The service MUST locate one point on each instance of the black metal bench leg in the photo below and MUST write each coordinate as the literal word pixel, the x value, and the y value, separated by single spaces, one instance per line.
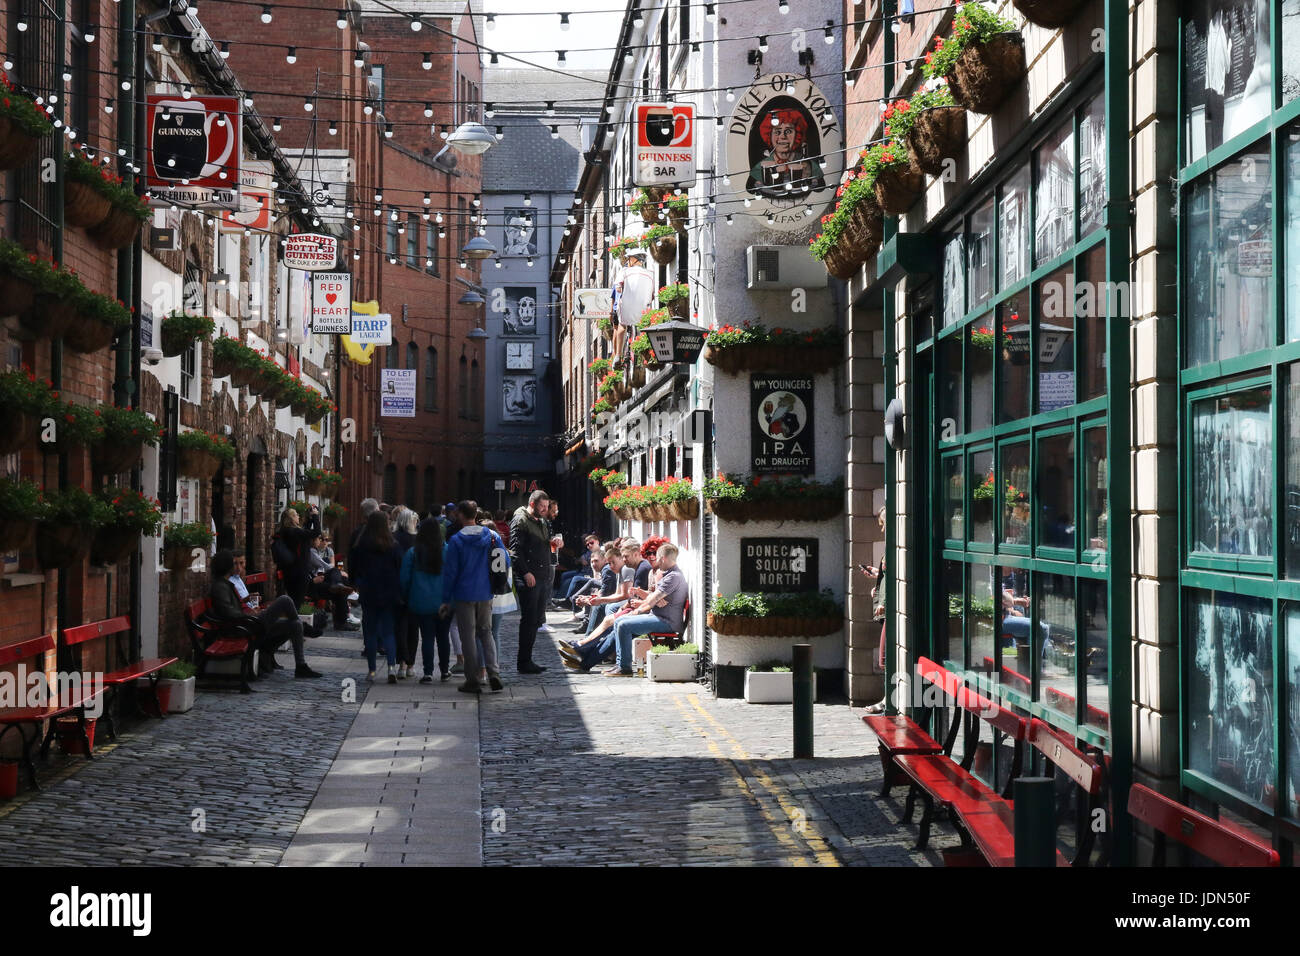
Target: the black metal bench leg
pixel 886 765
pixel 85 737
pixel 153 689
pixel 927 817
pixel 910 805
pixel 28 750
pixel 111 704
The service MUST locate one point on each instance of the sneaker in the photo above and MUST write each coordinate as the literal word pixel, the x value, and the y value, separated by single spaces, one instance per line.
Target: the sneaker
pixel 426 679
pixel 302 670
pixel 444 676
pixel 370 676
pixel 528 667
pixel 569 654
pixel 468 688
pixel 495 682
pixel 545 629
pixel 458 668
pixel 392 678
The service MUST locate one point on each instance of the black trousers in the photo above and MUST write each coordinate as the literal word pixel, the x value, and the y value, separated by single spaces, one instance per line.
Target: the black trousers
pixel 338 601
pixel 532 612
pixel 279 624
pixel 408 636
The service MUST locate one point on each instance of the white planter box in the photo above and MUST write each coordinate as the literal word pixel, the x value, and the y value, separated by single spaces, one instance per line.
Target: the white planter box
pixel 671 667
pixel 772 688
pixel 230 666
pixel 182 698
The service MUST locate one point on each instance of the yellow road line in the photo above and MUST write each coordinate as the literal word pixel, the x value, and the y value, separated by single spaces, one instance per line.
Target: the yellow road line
pixel 799 821
pixel 774 824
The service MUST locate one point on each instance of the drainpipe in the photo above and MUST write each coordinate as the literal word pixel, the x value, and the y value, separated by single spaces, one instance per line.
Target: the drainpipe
pixel 1119 225
pixel 891 455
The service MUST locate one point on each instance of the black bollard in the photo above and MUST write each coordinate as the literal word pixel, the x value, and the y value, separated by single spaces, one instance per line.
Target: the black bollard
pixel 1035 815
pixel 802 666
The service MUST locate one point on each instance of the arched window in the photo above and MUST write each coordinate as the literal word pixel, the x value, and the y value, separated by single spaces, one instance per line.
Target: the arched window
pixel 430 498
pixel 395 354
pixel 412 487
pixel 390 483
pixel 413 363
pixel 430 379
pixel 463 385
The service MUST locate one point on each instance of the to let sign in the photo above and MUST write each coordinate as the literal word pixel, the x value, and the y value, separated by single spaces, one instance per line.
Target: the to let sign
pixel 781 417
pixel 778 565
pixel 665 144
pixel 331 303
pixel 310 251
pixel 397 393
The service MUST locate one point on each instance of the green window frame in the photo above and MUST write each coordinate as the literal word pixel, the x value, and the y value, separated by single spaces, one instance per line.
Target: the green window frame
pixel 1230 601
pixel 994 344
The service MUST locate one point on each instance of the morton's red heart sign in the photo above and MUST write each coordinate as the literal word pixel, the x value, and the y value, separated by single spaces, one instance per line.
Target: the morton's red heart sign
pixel 331 303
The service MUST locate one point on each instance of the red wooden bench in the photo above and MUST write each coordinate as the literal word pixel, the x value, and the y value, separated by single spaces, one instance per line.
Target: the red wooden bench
pixel 940 782
pixel 215 640
pixel 1213 839
pixel 114 680
pixel 674 638
pixel 16 718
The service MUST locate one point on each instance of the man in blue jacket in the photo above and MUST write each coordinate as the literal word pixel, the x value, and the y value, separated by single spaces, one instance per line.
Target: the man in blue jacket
pixel 466 584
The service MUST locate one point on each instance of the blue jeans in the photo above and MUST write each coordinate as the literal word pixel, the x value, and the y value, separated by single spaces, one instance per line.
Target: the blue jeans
pixel 379 624
pixel 570 582
pixel 626 628
pixel 598 613
pixel 435 630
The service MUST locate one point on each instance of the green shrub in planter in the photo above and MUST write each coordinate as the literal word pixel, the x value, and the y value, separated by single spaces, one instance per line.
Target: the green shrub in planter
pixel 187 536
pixel 180 670
pixel 19 109
pixel 180 331
pixel 687 648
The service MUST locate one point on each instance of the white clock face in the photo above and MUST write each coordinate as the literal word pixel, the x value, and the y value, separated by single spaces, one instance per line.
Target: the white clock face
pixel 519 355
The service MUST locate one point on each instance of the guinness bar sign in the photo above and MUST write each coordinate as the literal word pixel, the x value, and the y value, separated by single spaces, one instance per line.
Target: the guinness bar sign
pixel 194 149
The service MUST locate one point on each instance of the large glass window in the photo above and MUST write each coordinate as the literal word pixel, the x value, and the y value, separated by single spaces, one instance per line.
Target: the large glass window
pixel 1227 71
pixel 1232 474
pixel 1229 264
pixel 1054 195
pixel 1013 228
pixel 979 255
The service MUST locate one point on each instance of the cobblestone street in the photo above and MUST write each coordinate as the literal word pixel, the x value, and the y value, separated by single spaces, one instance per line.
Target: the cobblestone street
pixel 562 768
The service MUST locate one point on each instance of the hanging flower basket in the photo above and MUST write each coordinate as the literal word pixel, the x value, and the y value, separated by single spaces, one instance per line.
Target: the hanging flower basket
pixel 986 73
pixel 197 463
pixel 17 294
pixel 620 513
pixel 83 205
pixel 112 544
pixel 687 510
pixel 937 134
pixel 1048 13
pixel 178 558
pixel 680 309
pixel 17 431
pixel 87 334
pixel 898 187
pixel 59 546
pixel 839 264
pixel 16 146
pixel 113 458
pixel 863 230
pixel 638 376
pixel 741 511
pixel 735 624
pixel 663 249
pixel 119 228
pixel 773 358
pixel 47 318
pixel 15 533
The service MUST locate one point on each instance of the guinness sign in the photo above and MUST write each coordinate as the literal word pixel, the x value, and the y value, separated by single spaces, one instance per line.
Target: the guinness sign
pixel 194 149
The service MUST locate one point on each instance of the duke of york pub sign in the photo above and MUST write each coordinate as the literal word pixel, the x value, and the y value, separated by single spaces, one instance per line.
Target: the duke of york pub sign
pixel 310 251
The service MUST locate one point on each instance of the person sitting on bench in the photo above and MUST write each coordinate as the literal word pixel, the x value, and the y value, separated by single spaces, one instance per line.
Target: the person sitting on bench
pixel 328 583
pixel 276 624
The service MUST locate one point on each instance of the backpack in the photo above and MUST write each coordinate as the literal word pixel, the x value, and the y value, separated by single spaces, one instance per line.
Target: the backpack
pixel 499 568
pixel 283 555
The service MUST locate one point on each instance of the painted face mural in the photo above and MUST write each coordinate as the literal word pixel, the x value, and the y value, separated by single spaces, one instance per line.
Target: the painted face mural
pixel 518 398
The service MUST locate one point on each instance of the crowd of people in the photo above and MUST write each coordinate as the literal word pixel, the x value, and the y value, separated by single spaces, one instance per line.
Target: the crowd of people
pixel 435 588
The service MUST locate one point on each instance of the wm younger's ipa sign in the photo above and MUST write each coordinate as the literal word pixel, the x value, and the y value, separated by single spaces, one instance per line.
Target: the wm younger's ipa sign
pixel 781 416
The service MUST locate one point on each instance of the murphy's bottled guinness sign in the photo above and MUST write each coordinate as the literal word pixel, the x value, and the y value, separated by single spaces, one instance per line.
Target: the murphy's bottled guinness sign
pixel 194 150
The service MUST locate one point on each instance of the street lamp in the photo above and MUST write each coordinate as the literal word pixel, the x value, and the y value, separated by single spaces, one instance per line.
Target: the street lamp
pixel 472 139
pixel 478 248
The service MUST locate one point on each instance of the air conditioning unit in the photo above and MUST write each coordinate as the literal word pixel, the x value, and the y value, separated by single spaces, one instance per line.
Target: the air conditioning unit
pixel 782 267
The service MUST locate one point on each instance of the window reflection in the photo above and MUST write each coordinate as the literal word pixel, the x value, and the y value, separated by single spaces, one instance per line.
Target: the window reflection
pixel 982 497
pixel 1291 727
pixel 948 640
pixel 1095 301
pixel 1232 474
pixel 1096 689
pixel 1056 302
pixel 1013 359
pixel 949 387
pixel 979 358
pixel 1227 74
pixel 1058 651
pixel 1056 491
pixel 979 618
pixel 1054 195
pixel 1013 228
pixel 1092 165
pixel 1013 494
pixel 979 255
pixel 1230 692
pixel 1293 223
pixel 954 485
pixel 1095 490
pixel 1229 261
pixel 1014 629
pixel 1291 476
pixel 954 286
